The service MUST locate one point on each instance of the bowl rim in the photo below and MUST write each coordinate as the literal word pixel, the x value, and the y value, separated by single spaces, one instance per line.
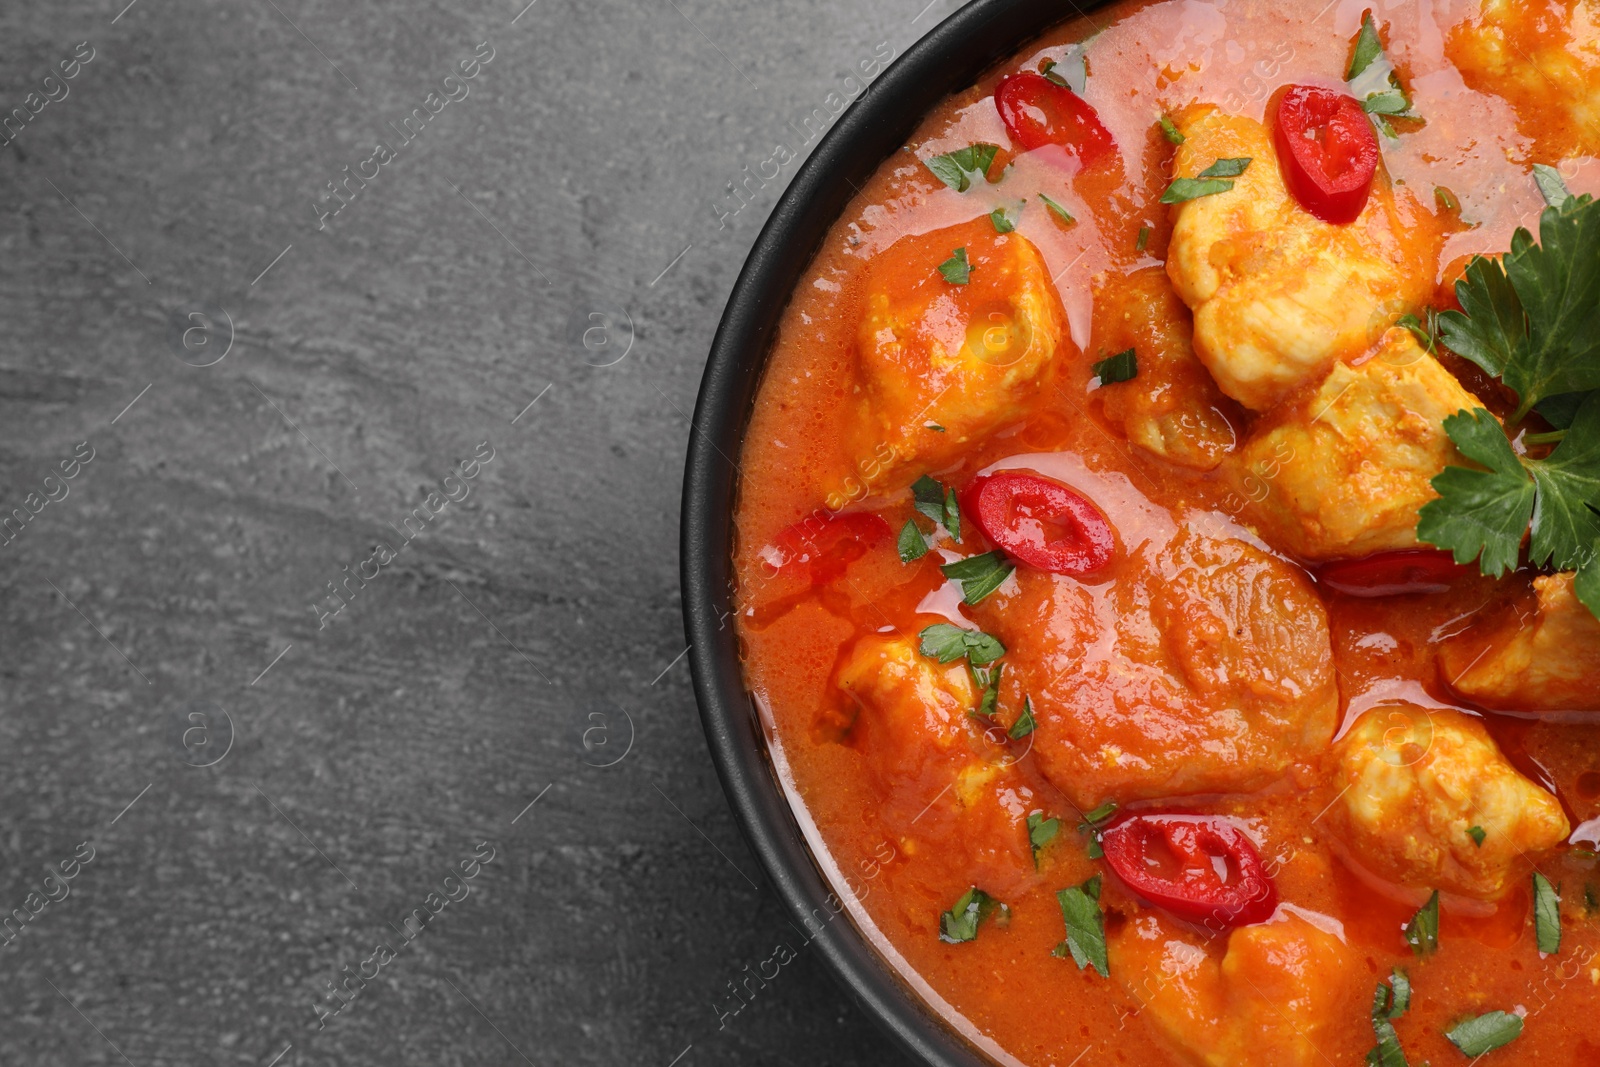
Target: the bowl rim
pixel 947 59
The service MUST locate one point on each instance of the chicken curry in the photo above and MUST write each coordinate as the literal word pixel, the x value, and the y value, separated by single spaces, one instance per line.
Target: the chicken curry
pixel 1167 541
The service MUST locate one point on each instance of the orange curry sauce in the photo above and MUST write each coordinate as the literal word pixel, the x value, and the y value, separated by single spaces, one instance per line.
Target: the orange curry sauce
pixel 905 824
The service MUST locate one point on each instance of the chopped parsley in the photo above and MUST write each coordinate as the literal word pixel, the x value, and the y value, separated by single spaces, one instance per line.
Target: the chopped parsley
pixel 1184 189
pixel 1486 1033
pixel 1002 222
pixel 1024 724
pixel 1425 329
pixel 1072 72
pixel 1122 367
pixel 1227 168
pixel 1389 1002
pixel 1422 932
pixel 1144 239
pixel 956 269
pixel 1477 833
pixel 913 546
pixel 1086 927
pixel 1546 914
pixel 1373 81
pixel 1171 132
pixel 937 503
pixel 1093 822
pixel 945 642
pixel 957 169
pixel 1533 321
pixel 988 681
pixel 979 575
pixel 934 426
pixel 1447 199
pixel 1551 187
pixel 1041 831
pixel 960 923
pixel 1063 213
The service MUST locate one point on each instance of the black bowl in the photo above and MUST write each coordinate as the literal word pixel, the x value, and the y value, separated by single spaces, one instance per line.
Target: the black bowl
pixel 948 59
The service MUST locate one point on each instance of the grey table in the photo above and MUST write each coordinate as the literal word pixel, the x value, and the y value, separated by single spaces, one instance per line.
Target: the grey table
pixel 341 641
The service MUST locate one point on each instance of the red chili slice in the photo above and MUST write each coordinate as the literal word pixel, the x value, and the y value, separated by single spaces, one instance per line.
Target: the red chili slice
pixel 1411 570
pixel 1038 112
pixel 1199 868
pixel 1326 150
pixel 1040 522
pixel 817 549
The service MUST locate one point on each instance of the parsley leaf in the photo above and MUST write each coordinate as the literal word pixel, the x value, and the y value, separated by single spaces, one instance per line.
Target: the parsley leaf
pixel 1477 833
pixel 1072 72
pixel 1422 932
pixel 1226 168
pixel 1480 514
pixel 989 682
pixel 1372 79
pixel 1551 187
pixel 960 923
pixel 1002 222
pixel 937 503
pixel 1566 515
pixel 956 169
pixel 1486 1033
pixel 1171 132
pixel 956 269
pixel 1066 216
pixel 1024 724
pixel 1143 239
pixel 1183 189
pixel 945 642
pixel 1425 330
pixel 1086 927
pixel 1389 1002
pixel 1041 831
pixel 1367 49
pixel 1122 367
pixel 1546 914
pixel 913 546
pixel 979 575
pixel 1533 320
pixel 1093 822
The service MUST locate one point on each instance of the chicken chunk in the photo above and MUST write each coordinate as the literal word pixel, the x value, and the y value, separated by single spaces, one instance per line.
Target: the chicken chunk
pixel 944 364
pixel 1206 667
pixel 1550 662
pixel 917 698
pixel 1272 998
pixel 1172 408
pixel 1543 58
pixel 1279 296
pixel 1415 781
pixel 1342 473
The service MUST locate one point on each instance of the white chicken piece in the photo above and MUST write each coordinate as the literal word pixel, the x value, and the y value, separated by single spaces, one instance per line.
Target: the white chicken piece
pixel 919 699
pixel 944 364
pixel 1279 296
pixel 1172 408
pixel 1270 999
pixel 1416 781
pixel 1550 662
pixel 1543 58
pixel 1342 473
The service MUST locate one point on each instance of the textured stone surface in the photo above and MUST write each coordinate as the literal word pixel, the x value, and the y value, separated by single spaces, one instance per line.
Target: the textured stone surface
pixel 180 584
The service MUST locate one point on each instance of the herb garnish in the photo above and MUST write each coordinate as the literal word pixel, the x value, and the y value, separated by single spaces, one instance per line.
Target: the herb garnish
pixel 1546 914
pixel 937 503
pixel 1001 221
pixel 1389 1002
pixel 1072 72
pixel 1041 831
pixel 1144 239
pixel 1477 833
pixel 1122 367
pixel 1533 321
pixel 1065 215
pixel 1171 132
pixel 1486 1033
pixel 913 546
pixel 1024 724
pixel 945 642
pixel 1422 932
pixel 1373 81
pixel 979 575
pixel 957 169
pixel 1086 927
pixel 1227 168
pixel 956 269
pixel 1551 187
pixel 1093 822
pixel 988 680
pixel 1214 179
pixel 960 923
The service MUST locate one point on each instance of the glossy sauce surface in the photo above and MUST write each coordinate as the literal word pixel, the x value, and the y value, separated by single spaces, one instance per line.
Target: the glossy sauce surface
pixel 895 817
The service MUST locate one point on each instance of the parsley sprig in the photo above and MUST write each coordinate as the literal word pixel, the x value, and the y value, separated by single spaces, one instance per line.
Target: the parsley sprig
pixel 1389 1002
pixel 1372 79
pixel 1532 320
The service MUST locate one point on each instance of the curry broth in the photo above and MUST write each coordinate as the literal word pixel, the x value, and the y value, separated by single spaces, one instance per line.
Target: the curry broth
pixel 866 799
